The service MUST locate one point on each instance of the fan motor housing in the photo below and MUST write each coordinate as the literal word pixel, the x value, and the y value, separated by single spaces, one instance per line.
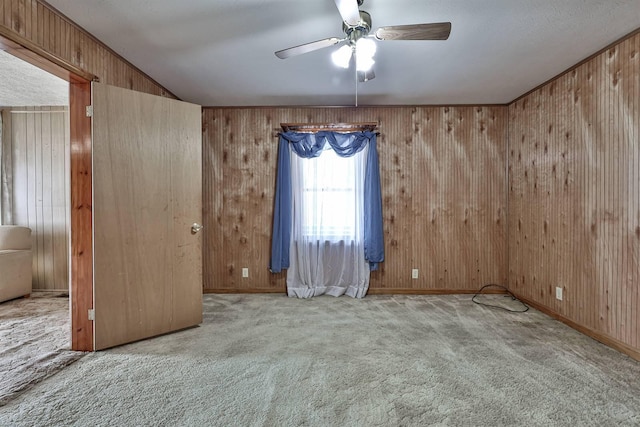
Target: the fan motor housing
pixel 358 31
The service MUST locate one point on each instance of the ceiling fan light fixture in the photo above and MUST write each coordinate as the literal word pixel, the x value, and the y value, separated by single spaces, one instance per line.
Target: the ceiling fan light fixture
pixel 364 63
pixel 342 56
pixel 365 76
pixel 361 42
pixel 365 49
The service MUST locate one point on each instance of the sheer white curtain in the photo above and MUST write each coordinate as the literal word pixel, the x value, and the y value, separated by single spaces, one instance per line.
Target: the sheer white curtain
pixel 327 238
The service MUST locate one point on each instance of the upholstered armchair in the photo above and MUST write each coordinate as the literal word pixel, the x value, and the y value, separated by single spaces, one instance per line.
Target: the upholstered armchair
pixel 15 262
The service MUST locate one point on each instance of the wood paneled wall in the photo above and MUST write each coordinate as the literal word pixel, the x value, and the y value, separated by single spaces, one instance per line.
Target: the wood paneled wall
pixel 36 142
pixel 443 172
pixel 574 196
pixel 44 28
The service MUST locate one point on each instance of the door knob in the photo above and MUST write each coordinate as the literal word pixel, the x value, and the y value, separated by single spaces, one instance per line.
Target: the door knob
pixel 196 227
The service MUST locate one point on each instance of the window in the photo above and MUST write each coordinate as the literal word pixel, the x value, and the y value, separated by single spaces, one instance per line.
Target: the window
pixel 327 220
pixel 329 194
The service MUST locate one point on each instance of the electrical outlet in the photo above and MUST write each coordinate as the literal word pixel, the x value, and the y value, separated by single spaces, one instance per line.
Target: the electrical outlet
pixel 245 272
pixel 414 273
pixel 558 293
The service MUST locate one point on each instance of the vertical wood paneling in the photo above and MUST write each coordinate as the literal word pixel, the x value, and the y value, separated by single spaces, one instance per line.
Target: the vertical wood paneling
pixel 40 26
pixel 443 182
pixel 574 209
pixel 395 151
pixel 60 208
pixel 6 170
pixel 39 149
pixel 212 157
pixel 634 205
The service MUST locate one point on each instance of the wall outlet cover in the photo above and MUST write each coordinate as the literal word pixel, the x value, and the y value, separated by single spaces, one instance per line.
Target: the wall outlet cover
pixel 414 273
pixel 245 272
pixel 558 293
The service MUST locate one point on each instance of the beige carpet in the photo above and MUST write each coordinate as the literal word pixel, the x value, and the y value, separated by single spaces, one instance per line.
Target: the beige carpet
pixel 267 360
pixel 34 342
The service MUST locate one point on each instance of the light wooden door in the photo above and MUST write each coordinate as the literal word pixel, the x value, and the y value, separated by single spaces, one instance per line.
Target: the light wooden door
pixel 147 193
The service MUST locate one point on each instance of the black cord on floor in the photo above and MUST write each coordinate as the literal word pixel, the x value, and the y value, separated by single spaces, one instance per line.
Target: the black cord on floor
pixel 526 307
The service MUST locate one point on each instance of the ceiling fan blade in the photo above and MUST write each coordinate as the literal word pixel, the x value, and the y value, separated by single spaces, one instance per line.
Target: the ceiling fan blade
pixel 365 76
pixel 307 47
pixel 349 11
pixel 435 31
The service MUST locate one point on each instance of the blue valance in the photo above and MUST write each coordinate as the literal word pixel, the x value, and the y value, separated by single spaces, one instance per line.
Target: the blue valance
pixel 308 145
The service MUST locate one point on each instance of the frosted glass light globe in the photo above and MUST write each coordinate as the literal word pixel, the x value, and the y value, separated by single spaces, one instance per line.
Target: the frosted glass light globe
pixel 365 49
pixel 342 56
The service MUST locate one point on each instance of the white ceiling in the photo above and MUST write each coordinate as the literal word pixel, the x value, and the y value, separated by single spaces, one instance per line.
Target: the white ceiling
pixel 221 52
pixel 25 85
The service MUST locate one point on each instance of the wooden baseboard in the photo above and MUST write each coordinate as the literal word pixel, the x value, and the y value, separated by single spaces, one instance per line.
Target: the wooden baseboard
pixel 372 291
pixel 245 291
pixel 414 291
pixel 51 291
pixel 598 336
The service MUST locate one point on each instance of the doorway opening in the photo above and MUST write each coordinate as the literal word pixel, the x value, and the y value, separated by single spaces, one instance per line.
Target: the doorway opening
pixel 77 190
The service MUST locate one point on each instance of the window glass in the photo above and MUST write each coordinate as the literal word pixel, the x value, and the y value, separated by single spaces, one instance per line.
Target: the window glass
pixel 328 203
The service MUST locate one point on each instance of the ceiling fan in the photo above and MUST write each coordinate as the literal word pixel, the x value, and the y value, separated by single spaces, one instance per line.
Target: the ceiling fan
pixel 356 25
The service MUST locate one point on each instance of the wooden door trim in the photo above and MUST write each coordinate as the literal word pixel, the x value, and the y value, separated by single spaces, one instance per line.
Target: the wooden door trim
pixel 82 336
pixel 35 55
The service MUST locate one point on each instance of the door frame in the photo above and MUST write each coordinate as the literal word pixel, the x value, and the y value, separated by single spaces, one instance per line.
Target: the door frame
pixel 81 272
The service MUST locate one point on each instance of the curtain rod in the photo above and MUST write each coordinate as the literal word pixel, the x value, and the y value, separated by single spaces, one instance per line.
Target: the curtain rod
pixel 334 127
